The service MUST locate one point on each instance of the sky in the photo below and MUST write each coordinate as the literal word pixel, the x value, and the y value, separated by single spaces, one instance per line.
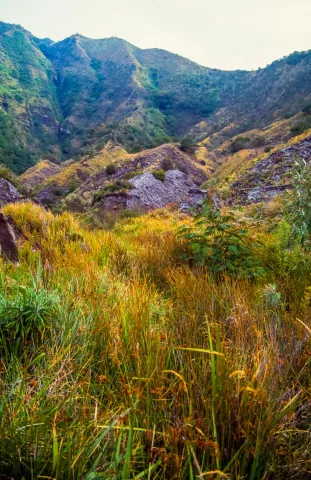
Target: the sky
pixel 225 34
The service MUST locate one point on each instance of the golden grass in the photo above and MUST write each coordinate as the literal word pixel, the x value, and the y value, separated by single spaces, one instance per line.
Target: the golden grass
pixel 151 369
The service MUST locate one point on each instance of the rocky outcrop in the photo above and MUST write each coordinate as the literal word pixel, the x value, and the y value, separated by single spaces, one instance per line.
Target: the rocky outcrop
pixel 8 193
pixel 7 240
pixel 148 193
pixel 271 175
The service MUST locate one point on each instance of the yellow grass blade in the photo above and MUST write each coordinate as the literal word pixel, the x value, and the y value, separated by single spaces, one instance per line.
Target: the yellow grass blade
pixel 201 350
pixel 306 326
pixel 179 376
pixel 290 402
pixel 214 472
pixel 241 373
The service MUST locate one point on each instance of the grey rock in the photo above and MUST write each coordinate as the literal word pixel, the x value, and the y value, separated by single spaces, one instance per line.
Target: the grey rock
pixel 8 193
pixel 148 193
pixel 7 240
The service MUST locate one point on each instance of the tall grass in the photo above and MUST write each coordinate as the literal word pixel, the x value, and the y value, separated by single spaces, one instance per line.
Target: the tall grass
pixel 147 369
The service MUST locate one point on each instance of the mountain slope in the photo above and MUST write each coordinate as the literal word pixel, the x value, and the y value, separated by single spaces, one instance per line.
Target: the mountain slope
pixel 29 111
pixel 70 98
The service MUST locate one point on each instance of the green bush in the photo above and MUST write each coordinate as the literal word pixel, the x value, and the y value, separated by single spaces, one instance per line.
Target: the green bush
pixel 167 164
pixel 188 145
pixel 159 175
pixel 240 143
pixel 217 242
pixel 301 126
pixel 111 169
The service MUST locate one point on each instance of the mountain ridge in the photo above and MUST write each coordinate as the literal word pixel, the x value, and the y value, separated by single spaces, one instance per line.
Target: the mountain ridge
pixel 67 99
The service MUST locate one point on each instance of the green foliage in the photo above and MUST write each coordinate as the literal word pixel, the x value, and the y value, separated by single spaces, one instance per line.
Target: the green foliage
pixel 240 143
pixel 132 174
pixel 111 169
pixel 302 125
pixel 167 164
pixel 26 312
pixel 159 175
pixel 118 186
pixel 188 144
pixel 217 242
pixel 272 296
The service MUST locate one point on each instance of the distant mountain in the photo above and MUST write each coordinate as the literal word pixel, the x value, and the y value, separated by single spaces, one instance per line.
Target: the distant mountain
pixel 66 99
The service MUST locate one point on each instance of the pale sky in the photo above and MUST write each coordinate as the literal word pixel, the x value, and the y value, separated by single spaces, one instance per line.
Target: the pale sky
pixel 226 34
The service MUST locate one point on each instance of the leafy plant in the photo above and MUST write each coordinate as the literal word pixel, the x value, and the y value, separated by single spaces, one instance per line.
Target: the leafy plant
pixel 219 243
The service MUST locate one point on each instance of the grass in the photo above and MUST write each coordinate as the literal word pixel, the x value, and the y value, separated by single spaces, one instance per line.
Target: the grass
pixel 147 368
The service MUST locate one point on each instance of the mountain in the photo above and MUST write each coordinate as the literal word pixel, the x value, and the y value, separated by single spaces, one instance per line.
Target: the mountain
pixel 70 98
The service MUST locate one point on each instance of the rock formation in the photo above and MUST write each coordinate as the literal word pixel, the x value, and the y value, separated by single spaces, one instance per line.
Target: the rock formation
pixel 7 240
pixel 8 193
pixel 149 193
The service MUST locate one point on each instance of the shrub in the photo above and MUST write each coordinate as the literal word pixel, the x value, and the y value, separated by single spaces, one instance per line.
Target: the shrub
pixel 111 169
pixel 167 164
pixel 240 143
pixel 159 175
pixel 218 243
pixel 301 126
pixel 188 144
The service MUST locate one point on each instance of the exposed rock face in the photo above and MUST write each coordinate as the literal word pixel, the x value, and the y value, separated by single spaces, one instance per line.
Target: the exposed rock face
pixel 8 193
pixel 7 239
pixel 270 176
pixel 149 193
pixel 127 165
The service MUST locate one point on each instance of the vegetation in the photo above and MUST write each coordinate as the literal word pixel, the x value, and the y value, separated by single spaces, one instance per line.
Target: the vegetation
pixel 217 242
pixel 120 359
pixel 118 186
pixel 159 175
pixel 111 169
pixel 44 118
pixel 188 144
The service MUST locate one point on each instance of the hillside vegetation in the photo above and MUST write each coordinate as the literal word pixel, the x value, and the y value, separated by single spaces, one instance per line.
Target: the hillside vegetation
pixel 124 355
pixel 66 99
